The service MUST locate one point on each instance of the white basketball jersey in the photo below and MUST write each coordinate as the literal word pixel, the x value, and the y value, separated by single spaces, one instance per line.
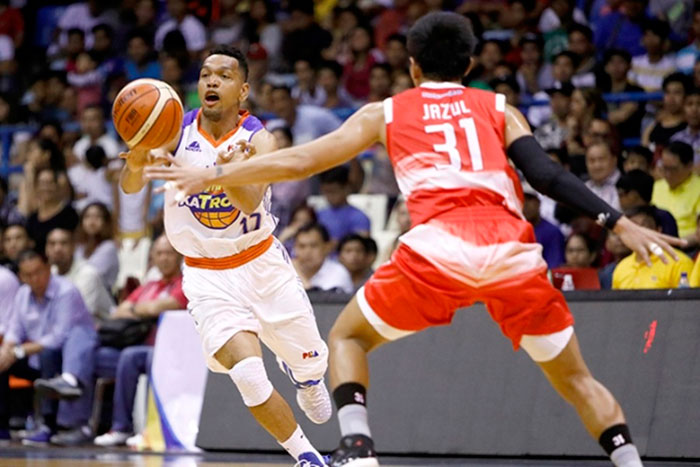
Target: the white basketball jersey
pixel 207 225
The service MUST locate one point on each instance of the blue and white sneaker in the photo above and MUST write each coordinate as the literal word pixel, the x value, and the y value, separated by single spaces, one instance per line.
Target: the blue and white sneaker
pixel 40 437
pixel 310 459
pixel 312 396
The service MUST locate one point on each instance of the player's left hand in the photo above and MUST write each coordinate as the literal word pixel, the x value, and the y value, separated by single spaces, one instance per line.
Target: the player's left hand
pixel 185 179
pixel 646 242
pixel 241 151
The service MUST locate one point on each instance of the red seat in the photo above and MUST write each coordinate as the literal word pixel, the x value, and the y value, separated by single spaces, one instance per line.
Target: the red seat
pixel 584 278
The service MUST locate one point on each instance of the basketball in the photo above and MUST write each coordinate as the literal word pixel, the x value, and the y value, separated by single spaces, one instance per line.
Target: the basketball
pixel 147 114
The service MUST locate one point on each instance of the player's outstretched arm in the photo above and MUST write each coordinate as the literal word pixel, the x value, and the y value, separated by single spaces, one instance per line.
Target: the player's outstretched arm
pixel 364 128
pixel 248 197
pixel 553 180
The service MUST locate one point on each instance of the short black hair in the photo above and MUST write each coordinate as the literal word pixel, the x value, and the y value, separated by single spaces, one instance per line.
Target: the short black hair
pixel 368 244
pixel 639 181
pixel 109 30
pixel 683 151
pixel 282 87
pixel 643 210
pixel 382 66
pixel 397 37
pixel 583 29
pixel 141 33
pixel 509 81
pixel 610 53
pixel 12 225
pixel 573 56
pixel 74 31
pixel 314 226
pixel 693 91
pixel 287 132
pixel 29 254
pixel 231 51
pixel 642 151
pixel 442 44
pixel 335 67
pixel 677 77
pixel 339 175
pixel 659 27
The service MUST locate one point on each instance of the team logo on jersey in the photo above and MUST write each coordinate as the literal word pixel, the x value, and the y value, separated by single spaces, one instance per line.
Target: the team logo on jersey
pixel 212 208
pixel 309 354
pixel 194 147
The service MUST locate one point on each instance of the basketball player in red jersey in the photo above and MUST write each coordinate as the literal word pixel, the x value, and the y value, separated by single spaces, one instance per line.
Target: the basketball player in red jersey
pixel 449 146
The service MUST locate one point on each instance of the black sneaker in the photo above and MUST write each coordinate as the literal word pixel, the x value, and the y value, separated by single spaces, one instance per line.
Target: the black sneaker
pixel 74 437
pixel 57 388
pixel 355 451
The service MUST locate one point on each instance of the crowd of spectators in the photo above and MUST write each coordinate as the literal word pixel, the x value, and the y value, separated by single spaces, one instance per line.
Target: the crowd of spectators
pixel 610 87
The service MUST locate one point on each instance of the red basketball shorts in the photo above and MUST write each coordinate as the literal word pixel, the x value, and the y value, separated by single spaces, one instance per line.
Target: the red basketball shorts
pixel 483 254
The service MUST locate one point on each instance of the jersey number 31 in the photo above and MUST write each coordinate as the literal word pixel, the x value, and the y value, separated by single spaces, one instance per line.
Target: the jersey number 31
pixel 450 144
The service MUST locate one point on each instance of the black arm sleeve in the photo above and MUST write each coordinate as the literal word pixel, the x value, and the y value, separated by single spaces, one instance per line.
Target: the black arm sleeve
pixel 551 179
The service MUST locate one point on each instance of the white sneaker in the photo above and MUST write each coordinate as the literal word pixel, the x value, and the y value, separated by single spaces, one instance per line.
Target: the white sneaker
pixel 135 441
pixel 315 402
pixel 112 438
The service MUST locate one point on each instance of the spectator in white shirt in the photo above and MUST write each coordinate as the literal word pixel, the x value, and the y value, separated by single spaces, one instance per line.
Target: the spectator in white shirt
pixel 316 270
pixel 91 181
pixel 601 164
pixel 649 70
pixel 192 30
pixel 8 287
pixel 60 251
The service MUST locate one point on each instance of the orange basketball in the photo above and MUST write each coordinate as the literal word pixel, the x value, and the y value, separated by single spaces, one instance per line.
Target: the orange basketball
pixel 147 114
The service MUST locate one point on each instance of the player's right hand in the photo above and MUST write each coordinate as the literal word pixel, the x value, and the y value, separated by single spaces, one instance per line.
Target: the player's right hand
pixel 136 159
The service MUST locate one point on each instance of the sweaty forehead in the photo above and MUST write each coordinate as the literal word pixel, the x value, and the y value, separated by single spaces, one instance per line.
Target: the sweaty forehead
pixel 220 62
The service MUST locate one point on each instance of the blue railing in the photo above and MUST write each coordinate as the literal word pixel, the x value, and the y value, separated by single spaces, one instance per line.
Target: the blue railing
pixel 7 131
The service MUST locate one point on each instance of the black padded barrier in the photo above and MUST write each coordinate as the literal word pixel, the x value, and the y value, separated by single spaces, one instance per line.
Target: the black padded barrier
pixel 461 390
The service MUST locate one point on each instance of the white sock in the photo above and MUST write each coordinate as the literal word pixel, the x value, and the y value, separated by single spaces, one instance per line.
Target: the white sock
pixel 353 420
pixel 298 444
pixel 70 379
pixel 626 456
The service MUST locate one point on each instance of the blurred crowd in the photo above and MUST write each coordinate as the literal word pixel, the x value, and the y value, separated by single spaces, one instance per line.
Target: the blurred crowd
pixel 611 89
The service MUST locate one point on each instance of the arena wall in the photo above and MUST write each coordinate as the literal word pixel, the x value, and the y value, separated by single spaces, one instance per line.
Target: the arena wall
pixel 460 390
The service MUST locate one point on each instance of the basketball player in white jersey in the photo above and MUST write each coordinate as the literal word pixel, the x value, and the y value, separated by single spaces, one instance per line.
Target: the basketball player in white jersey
pixel 238 278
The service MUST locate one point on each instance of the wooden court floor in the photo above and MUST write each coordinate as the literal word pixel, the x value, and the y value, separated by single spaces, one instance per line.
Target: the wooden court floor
pixel 18 456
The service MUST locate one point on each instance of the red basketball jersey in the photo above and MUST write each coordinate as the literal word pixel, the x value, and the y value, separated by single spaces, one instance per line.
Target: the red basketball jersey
pixel 447 145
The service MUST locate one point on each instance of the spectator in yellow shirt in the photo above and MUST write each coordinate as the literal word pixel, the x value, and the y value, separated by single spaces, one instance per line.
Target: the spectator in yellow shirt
pixel 695 275
pixel 633 273
pixel 679 190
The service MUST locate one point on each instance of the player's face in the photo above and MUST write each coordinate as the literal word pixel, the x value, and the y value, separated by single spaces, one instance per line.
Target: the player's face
pixel 221 86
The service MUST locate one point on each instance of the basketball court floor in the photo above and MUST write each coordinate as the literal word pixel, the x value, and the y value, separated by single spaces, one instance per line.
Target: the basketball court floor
pixel 18 456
